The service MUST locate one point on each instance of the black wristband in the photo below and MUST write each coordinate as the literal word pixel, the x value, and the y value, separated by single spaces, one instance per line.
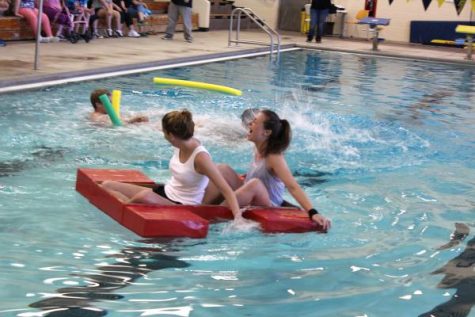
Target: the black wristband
pixel 312 212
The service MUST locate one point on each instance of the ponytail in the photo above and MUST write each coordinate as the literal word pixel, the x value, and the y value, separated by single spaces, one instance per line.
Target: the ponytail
pixel 280 136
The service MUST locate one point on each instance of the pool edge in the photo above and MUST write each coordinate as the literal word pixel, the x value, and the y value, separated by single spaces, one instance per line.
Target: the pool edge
pixel 35 82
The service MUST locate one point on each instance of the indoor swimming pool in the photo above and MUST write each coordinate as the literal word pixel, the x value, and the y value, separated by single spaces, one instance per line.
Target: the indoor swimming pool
pixel 384 147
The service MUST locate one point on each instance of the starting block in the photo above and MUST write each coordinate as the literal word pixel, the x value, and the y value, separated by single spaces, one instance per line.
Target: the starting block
pixel 374 23
pixel 469 31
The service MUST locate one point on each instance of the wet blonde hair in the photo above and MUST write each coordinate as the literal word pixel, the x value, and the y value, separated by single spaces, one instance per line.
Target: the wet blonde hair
pixel 179 123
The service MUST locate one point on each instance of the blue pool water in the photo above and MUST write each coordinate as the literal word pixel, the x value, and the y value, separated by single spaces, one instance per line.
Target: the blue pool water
pixel 384 147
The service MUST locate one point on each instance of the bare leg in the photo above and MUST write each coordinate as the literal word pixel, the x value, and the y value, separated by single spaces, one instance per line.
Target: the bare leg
pixel 212 194
pixel 118 26
pixel 119 195
pixel 253 193
pixel 105 14
pixel 140 16
pixel 109 21
pixel 134 193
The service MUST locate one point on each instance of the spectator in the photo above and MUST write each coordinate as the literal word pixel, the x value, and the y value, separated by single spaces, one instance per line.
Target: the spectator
pixel 125 16
pixel 318 14
pixel 26 9
pixel 80 14
pixel 4 7
pixel 183 7
pixel 105 9
pixel 139 10
pixel 58 14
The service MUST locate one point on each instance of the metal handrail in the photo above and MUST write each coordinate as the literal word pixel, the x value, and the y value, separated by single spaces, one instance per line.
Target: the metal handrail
pixel 261 23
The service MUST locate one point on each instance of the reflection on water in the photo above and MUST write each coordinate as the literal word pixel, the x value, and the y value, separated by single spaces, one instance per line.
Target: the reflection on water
pixel 459 274
pixel 132 263
pixel 39 157
pixel 393 183
pixel 309 177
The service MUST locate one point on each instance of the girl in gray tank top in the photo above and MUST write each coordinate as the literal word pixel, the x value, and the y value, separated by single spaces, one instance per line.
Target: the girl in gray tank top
pixel 269 174
pixel 274 185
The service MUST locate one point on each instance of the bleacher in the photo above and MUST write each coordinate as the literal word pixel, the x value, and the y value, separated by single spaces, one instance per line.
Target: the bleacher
pixel 15 28
pixel 220 15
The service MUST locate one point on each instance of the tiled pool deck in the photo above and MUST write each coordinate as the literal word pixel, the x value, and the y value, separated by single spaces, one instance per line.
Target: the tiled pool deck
pixel 62 61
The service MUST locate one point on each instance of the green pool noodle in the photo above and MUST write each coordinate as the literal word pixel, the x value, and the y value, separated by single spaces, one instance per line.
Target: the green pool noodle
pixel 110 110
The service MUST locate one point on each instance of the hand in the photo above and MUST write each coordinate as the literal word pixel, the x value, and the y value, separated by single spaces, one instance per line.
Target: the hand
pixel 322 221
pixel 138 119
pixel 242 224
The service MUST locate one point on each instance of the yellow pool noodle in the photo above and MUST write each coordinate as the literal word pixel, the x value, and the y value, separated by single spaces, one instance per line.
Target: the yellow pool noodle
pixel 116 95
pixel 197 84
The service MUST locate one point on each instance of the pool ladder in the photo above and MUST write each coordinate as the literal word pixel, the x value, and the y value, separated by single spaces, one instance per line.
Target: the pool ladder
pixel 274 36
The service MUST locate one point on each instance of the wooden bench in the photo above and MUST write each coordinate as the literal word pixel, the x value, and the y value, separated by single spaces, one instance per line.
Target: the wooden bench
pixel 15 28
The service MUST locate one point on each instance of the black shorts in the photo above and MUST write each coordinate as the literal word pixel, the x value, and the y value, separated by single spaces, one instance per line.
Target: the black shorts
pixel 159 189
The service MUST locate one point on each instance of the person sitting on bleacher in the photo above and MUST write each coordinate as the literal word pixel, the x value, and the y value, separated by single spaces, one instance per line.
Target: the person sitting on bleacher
pixel 4 7
pixel 122 6
pixel 58 14
pixel 26 9
pixel 105 9
pixel 81 15
pixel 138 9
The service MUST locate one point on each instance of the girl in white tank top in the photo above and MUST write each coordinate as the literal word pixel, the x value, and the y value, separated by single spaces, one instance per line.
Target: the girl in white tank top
pixel 186 185
pixel 191 168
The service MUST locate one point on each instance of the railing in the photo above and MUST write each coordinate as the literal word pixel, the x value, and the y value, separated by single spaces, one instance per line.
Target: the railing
pixel 274 37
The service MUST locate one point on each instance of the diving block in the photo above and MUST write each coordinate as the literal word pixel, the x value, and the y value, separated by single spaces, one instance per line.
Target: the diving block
pixel 373 25
pixel 177 220
pixel 469 31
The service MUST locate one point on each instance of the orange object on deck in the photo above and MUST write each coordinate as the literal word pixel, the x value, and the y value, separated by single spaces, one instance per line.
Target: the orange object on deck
pixel 176 220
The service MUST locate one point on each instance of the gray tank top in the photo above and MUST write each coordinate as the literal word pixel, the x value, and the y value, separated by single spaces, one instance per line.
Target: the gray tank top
pixel 274 185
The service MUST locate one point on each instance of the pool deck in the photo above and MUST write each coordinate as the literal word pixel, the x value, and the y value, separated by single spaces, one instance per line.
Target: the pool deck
pixel 60 62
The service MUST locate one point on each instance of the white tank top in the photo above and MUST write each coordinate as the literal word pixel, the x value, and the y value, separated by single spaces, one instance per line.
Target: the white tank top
pixel 186 185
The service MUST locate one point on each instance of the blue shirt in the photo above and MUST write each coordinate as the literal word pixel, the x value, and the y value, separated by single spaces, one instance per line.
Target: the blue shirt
pixel 30 4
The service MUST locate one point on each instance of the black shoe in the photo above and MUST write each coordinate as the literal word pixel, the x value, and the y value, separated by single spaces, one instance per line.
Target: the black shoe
pixel 86 37
pixel 318 40
pixel 74 37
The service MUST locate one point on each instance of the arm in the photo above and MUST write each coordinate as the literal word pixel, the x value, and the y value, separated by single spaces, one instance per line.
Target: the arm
pixel 278 165
pixel 107 6
pixel 122 6
pixel 137 119
pixel 65 7
pixel 117 7
pixel 17 7
pixel 205 166
pixel 77 6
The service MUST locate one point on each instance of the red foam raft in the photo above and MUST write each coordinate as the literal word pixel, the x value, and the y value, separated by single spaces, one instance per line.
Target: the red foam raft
pixel 177 220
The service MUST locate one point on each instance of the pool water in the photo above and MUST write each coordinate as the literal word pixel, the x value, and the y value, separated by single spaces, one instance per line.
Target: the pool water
pixel 384 147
